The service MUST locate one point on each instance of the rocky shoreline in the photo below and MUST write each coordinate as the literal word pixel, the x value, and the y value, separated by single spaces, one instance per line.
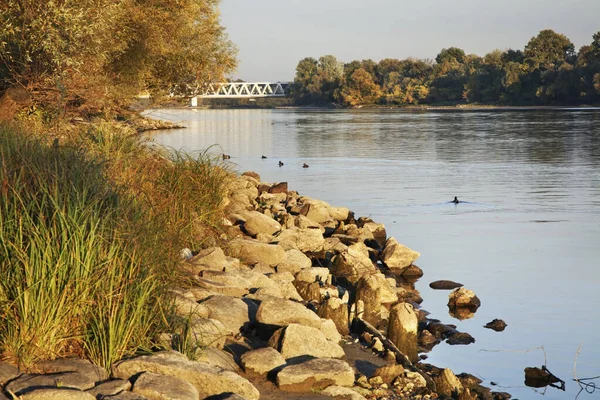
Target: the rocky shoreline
pixel 279 308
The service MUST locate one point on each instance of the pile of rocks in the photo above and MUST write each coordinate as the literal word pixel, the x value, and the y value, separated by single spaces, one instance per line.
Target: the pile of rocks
pixel 277 304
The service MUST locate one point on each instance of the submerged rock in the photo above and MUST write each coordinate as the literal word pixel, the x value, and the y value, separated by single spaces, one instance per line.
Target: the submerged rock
pixel 445 285
pixel 497 324
pixel 463 298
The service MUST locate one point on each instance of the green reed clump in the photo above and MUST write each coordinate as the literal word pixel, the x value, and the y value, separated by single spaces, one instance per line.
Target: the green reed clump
pixel 90 231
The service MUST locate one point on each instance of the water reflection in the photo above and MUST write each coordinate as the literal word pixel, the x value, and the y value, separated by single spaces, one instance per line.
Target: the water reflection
pixel 527 244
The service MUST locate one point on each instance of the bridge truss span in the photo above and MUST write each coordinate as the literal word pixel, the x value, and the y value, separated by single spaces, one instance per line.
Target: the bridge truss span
pixel 245 90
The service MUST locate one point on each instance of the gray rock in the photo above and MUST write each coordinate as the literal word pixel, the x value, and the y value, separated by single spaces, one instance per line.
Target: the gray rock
pixel 259 223
pixel 402 329
pixel 208 379
pixel 280 312
pixel 218 358
pixel 298 340
pixel 71 380
pixel 353 263
pixel 397 256
pixel 110 388
pixel 444 285
pixel 463 298
pixel 125 396
pixel 447 384
pixel 8 372
pixel 341 392
pixel 315 374
pixel 374 291
pixel 313 274
pixel 262 361
pixel 304 240
pixel 84 367
pixel 155 386
pixel 186 307
pixel 206 332
pixel 294 262
pixel 56 394
pixel 234 313
pixel 253 252
pixel 337 311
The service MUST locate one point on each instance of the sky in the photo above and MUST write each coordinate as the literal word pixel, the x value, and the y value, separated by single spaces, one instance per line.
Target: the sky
pixel 272 36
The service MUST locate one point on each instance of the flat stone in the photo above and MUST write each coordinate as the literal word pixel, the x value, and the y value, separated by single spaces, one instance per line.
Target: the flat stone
pixel 298 340
pixel 84 367
pixel 253 252
pixel 155 386
pixel 284 312
pixel 56 394
pixel 110 388
pixel 315 374
pixel 262 361
pixel 444 285
pixel 8 372
pixel 304 240
pixel 125 396
pixel 208 379
pixel 72 380
pixel 341 392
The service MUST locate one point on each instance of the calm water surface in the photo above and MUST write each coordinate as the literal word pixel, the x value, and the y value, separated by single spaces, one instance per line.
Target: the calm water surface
pixel 527 243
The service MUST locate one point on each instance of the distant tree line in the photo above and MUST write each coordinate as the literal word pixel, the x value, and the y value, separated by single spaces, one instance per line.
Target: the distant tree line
pixel 548 71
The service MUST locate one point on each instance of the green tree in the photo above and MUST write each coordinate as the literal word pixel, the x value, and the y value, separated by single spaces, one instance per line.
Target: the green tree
pixel 549 50
pixel 316 81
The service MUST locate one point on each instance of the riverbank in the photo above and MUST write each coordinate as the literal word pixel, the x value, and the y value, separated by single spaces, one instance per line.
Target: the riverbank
pixel 280 299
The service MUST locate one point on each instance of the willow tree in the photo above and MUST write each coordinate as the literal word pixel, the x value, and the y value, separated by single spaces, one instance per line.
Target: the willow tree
pixel 99 53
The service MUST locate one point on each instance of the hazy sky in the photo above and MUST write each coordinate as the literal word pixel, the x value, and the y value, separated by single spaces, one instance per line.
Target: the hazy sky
pixel 273 35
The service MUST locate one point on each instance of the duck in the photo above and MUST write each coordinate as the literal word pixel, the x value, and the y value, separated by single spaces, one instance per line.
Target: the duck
pixel 280 164
pixel 455 201
pixel 305 165
pixel 263 157
pixel 226 156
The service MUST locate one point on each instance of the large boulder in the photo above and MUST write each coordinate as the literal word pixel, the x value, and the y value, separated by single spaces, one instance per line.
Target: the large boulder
pixel 374 290
pixel 396 256
pixel 253 252
pixel 279 313
pixel 257 222
pixel 299 340
pixel 463 298
pixel 155 386
pixel 447 384
pixel 262 361
pixel 234 313
pixel 294 262
pixel 315 374
pixel 304 240
pixel 207 379
pixel 212 258
pixel 337 311
pixel 378 231
pixel 8 372
pixel 207 332
pixel 353 263
pixel 91 371
pixel 402 329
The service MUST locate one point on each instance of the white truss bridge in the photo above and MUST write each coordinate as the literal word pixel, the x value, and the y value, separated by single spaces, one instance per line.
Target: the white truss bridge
pixel 245 90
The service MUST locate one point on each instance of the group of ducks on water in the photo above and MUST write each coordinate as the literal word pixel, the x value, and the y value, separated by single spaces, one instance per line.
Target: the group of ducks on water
pixel 305 165
pixel 227 157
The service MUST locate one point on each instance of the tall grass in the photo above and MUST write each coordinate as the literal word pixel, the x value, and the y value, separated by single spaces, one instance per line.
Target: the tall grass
pixel 89 234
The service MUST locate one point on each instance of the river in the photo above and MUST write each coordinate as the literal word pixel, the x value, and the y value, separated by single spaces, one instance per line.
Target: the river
pixel 526 239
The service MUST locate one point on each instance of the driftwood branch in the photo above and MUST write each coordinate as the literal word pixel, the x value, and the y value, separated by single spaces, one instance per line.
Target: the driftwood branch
pixel 361 325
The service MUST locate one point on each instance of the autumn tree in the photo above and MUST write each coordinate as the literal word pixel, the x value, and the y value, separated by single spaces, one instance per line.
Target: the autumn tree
pixel 97 53
pixel 316 81
pixel 359 89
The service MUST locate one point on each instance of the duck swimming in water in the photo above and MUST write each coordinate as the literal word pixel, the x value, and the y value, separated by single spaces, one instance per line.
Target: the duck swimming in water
pixel 455 201
pixel 305 165
pixel 226 156
pixel 280 164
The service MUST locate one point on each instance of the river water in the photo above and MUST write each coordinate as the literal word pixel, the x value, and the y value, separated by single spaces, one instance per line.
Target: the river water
pixel 526 240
